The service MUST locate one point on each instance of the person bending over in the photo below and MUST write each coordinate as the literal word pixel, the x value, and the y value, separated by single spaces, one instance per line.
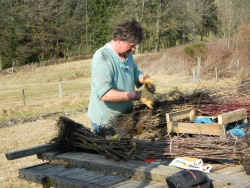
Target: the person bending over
pixel 114 76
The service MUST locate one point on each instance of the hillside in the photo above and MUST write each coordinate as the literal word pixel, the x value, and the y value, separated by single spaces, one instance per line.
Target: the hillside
pixel 35 90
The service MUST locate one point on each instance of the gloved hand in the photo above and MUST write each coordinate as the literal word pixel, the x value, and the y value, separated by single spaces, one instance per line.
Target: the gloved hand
pixel 147 98
pixel 149 85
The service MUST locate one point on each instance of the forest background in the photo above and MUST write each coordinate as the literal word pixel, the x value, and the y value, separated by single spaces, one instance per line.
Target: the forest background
pixel 38 31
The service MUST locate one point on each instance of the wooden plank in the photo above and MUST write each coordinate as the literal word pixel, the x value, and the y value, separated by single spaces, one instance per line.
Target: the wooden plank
pixel 80 179
pixel 28 151
pixel 128 183
pixel 138 168
pixel 174 116
pixel 109 180
pixel 139 184
pixel 50 168
pixel 141 170
pixel 27 174
pixel 195 128
pixel 42 167
pixel 90 178
pixel 56 181
pixel 83 173
pixel 68 172
pixel 229 117
pixel 230 170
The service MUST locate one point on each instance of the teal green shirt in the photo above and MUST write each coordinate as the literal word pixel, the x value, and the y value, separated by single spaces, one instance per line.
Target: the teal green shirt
pixel 108 71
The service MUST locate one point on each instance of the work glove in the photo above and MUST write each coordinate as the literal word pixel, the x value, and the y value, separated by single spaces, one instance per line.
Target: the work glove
pixel 147 98
pixel 149 85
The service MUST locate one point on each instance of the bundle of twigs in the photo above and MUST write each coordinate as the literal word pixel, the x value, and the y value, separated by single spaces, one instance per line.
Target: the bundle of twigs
pixel 155 119
pixel 199 147
pixel 229 101
pixel 72 137
pixel 216 109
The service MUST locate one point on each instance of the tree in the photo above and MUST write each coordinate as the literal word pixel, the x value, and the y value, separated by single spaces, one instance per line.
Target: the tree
pixel 232 13
pixel 100 14
pixel 41 30
pixel 8 33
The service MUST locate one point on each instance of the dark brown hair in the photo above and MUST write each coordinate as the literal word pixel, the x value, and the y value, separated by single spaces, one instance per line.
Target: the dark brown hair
pixel 130 31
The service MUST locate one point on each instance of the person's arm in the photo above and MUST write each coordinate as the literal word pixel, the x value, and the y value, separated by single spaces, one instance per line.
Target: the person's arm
pixel 118 96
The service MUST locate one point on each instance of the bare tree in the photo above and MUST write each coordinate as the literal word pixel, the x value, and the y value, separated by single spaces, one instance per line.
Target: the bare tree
pixel 232 13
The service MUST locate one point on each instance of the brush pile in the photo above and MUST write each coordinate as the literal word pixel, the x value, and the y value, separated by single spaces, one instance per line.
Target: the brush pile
pixel 143 134
pixel 74 137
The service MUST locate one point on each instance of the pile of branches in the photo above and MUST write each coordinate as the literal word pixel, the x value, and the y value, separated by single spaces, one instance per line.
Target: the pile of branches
pixel 229 101
pixel 219 108
pixel 75 137
pixel 154 120
pixel 200 147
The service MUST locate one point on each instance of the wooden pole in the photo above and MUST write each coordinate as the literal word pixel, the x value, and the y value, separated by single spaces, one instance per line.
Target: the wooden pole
pixel 216 74
pixel 60 90
pixel 238 63
pixel 23 97
pixel 28 151
pixel 198 69
pixel 194 76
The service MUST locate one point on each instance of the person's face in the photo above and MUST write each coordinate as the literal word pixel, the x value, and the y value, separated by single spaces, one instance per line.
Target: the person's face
pixel 126 47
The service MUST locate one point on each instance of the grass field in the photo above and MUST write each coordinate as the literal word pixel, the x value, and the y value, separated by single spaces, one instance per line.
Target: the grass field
pixel 40 86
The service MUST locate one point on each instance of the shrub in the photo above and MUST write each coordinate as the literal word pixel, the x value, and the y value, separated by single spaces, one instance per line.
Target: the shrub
pixel 196 50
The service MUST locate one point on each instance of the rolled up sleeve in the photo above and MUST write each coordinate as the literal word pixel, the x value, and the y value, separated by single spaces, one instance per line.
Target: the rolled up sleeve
pixel 102 75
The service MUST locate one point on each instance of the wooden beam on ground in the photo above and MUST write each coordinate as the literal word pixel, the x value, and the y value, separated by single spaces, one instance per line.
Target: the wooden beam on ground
pixel 28 151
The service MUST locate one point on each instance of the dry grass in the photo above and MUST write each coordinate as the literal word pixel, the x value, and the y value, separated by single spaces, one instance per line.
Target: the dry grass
pixel 24 136
pixel 42 97
pixel 170 70
pixel 41 89
pixel 19 137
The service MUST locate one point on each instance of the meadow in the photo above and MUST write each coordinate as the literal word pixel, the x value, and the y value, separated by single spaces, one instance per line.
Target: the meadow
pixel 40 85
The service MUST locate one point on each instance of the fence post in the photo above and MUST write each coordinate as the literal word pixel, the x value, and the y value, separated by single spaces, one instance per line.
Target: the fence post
pixel 216 74
pixel 194 75
pixel 23 97
pixel 60 90
pixel 198 69
pixel 237 63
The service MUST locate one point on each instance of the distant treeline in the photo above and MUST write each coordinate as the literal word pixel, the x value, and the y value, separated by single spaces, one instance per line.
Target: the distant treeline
pixel 36 31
